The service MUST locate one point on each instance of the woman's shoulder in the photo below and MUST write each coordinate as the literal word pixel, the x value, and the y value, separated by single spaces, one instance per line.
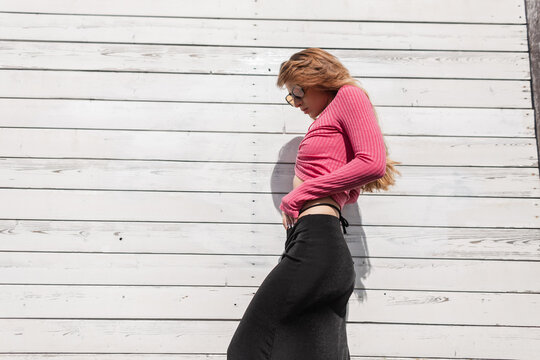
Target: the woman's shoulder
pixel 349 90
pixel 350 93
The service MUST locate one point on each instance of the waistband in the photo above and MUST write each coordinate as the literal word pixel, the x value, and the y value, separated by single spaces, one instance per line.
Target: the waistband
pixel 344 222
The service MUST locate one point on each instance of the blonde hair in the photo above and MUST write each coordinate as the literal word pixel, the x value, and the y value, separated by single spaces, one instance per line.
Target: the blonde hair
pixel 316 68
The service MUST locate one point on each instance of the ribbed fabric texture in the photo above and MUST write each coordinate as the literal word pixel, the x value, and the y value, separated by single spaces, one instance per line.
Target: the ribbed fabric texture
pixel 342 150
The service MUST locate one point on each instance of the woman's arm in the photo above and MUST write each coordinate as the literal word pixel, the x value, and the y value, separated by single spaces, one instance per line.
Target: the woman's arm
pixel 358 122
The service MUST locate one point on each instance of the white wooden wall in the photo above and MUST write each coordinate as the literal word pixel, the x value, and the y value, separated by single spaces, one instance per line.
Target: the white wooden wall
pixel 145 149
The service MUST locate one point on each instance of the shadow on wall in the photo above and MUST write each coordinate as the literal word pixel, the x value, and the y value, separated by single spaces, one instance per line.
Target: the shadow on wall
pixel 281 184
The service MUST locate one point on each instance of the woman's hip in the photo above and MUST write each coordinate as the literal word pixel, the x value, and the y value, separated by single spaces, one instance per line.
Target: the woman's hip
pixel 316 240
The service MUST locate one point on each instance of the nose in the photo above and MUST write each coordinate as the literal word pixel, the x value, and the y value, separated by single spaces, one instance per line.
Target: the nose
pixel 297 103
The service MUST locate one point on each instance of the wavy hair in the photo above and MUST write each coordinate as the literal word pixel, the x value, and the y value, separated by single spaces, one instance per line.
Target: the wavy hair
pixel 317 68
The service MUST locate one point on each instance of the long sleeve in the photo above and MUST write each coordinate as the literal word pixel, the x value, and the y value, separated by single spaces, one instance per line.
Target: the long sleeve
pixel 358 122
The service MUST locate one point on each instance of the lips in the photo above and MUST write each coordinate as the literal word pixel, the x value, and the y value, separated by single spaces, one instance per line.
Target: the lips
pixel 305 110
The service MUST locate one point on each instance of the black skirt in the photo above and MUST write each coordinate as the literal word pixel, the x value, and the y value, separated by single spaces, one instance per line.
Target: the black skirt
pixel 299 310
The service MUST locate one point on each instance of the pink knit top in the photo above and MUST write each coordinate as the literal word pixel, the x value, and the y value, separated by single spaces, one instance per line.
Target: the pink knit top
pixel 342 150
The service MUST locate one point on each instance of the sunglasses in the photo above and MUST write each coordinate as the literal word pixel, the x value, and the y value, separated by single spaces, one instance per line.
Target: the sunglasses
pixel 297 92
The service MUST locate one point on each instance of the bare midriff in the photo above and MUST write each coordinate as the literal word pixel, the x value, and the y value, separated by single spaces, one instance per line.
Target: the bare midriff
pixel 317 209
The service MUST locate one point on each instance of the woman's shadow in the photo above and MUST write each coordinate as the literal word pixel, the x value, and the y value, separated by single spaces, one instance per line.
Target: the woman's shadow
pixel 281 184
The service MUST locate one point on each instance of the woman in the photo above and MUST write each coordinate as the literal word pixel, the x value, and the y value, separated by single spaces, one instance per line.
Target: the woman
pixel 299 310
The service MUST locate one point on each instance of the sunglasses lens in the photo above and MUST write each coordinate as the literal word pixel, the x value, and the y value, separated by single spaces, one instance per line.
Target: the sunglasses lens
pixel 290 99
pixel 297 91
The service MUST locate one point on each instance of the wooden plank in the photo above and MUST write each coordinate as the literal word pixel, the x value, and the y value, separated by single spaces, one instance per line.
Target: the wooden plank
pixel 255 118
pixel 246 270
pixel 254 32
pixel 264 239
pixel 258 60
pixel 251 148
pixel 149 356
pixel 253 177
pixel 225 303
pixel 34 204
pixel 253 89
pixel 145 336
pixel 478 11
pixel 101 356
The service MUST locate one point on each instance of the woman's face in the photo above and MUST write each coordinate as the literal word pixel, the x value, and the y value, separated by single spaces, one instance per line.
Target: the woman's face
pixel 313 102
